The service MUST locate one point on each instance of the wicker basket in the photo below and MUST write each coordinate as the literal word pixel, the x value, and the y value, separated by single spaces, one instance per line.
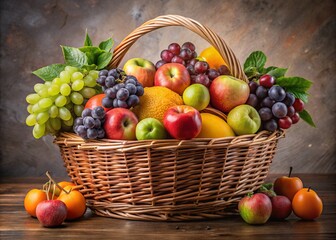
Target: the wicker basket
pixel 169 179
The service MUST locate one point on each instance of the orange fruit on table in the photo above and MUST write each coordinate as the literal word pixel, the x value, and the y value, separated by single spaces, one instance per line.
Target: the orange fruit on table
pixel 32 199
pixel 213 58
pixel 63 184
pixel 307 204
pixel 75 202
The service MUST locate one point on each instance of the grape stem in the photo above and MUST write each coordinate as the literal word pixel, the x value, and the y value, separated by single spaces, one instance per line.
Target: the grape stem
pixel 55 183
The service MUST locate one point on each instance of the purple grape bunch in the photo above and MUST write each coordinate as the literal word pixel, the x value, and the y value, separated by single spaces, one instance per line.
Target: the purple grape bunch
pixel 90 124
pixel 276 107
pixel 121 90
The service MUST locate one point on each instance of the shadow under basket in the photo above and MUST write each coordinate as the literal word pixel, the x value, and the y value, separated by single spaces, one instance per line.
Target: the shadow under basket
pixel 169 180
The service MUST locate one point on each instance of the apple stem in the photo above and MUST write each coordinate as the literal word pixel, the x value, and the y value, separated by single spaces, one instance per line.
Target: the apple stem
pixel 308 189
pixel 55 183
pixel 290 171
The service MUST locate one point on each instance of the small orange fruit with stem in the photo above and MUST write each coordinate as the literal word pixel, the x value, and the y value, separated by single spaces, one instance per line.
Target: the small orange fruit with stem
pixel 307 204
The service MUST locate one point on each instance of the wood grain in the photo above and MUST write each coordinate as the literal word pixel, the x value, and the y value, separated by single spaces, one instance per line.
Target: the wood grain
pixel 296 34
pixel 16 224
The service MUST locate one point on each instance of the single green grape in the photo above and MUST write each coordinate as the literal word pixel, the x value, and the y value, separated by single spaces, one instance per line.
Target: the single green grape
pixel 45 103
pixel 78 109
pixel 43 92
pixel 49 128
pixel 65 89
pixel 31 120
pixel 94 74
pixel 47 83
pixel 37 109
pixel 53 111
pixel 64 113
pixel 30 108
pixel 70 69
pixel 38 130
pixel 69 122
pixel 57 81
pixel 77 85
pixel 42 117
pixel 55 123
pixel 76 76
pixel 65 77
pixel 33 98
pixel 38 87
pixel 54 89
pixel 60 101
pixel 88 92
pixel 76 98
pixel 89 81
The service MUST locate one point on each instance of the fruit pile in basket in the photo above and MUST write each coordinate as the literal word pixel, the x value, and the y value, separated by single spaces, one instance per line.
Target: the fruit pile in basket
pixel 143 100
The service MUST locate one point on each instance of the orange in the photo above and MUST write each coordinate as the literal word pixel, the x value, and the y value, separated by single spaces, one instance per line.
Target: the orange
pixel 32 199
pixel 307 204
pixel 214 127
pixel 213 58
pixel 74 201
pixel 155 101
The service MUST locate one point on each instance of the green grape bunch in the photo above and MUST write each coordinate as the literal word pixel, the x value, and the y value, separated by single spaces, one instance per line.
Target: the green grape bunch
pixel 54 104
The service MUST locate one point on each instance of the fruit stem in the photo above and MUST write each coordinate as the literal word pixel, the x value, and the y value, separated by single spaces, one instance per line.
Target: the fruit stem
pixel 308 189
pixel 55 183
pixel 290 171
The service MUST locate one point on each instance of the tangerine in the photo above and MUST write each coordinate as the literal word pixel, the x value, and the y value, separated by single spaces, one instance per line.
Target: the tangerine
pixel 96 101
pixel 307 204
pixel 214 127
pixel 32 199
pixel 75 202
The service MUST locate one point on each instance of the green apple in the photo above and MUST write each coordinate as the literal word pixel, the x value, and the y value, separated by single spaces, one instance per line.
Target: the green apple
pixel 197 96
pixel 244 119
pixel 150 128
pixel 142 69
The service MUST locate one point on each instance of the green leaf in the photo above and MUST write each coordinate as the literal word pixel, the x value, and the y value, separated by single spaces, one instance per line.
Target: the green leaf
pixel 104 59
pixel 304 115
pixel 92 53
pixel 251 72
pixel 256 59
pixel 277 72
pixel 106 45
pixel 296 85
pixel 74 57
pixel 50 72
pixel 87 40
pixel 266 70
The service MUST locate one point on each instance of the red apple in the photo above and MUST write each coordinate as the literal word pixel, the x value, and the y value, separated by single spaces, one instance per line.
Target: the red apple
pixel 281 207
pixel 51 213
pixel 142 69
pixel 228 92
pixel 255 208
pixel 173 76
pixel 120 123
pixel 182 122
pixel 287 186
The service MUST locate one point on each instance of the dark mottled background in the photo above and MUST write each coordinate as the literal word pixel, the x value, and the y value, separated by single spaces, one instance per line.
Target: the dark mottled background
pixel 293 33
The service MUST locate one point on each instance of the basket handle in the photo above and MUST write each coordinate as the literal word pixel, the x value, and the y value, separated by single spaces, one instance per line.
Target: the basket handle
pixel 176 20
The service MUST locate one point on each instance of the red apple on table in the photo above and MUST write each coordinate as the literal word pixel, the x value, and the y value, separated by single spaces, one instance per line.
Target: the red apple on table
pixel 281 207
pixel 228 92
pixel 142 69
pixel 255 208
pixel 182 122
pixel 120 124
pixel 51 213
pixel 287 186
pixel 173 76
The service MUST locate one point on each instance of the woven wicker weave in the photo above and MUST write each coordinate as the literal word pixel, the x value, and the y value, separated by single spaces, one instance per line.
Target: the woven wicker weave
pixel 169 179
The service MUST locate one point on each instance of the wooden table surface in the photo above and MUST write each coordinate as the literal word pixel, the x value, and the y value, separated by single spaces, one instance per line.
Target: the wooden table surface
pixel 16 224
